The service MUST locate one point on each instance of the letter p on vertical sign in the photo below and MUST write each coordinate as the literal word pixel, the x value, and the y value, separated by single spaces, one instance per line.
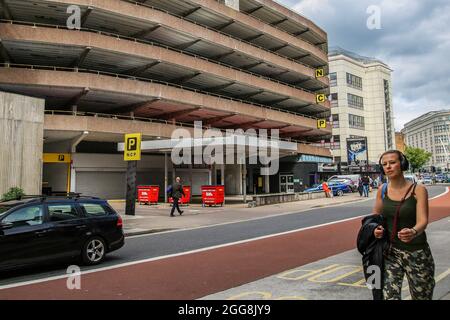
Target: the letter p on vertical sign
pixel 321 124
pixel 132 150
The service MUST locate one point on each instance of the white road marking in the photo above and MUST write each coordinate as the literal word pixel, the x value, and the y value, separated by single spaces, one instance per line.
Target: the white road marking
pixel 442 194
pixel 245 220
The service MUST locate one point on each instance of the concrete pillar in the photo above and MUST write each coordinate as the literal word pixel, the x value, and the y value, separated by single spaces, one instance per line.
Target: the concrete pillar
pixel 73 175
pixel 222 178
pixel 210 176
pixel 190 175
pixel 214 174
pixel 166 177
pixel 21 142
pixel 267 184
pixel 244 180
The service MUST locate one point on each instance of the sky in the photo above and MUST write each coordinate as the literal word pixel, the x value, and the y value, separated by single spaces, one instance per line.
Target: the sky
pixel 413 39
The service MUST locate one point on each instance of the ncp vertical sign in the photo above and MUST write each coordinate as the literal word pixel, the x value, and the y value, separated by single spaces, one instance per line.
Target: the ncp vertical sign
pixel 132 147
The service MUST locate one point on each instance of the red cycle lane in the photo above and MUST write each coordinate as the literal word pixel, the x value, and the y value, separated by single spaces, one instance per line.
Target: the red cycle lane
pixel 194 275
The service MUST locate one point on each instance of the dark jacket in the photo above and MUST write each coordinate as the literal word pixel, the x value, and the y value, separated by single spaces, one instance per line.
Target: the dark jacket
pixel 177 190
pixel 372 249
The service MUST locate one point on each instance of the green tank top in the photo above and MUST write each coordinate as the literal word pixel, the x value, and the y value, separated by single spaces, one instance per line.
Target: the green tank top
pixel 406 219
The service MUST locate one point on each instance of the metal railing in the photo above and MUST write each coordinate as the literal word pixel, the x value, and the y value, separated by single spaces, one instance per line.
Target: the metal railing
pixel 121 76
pixel 283 30
pixel 156 44
pixel 151 120
pixel 223 33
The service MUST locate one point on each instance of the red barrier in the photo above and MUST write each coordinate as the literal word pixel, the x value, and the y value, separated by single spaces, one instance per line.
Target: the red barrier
pixel 213 195
pixel 148 194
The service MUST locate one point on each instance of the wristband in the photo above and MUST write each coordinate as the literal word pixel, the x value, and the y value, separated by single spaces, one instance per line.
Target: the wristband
pixel 415 231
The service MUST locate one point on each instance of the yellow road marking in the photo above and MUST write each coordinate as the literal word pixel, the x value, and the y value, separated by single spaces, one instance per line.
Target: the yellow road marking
pixel 314 278
pixel 345 275
pixel 359 284
pixel 264 295
pixel 285 276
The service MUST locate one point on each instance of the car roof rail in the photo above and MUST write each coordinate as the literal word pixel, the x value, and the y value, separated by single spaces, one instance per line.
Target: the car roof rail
pixel 71 195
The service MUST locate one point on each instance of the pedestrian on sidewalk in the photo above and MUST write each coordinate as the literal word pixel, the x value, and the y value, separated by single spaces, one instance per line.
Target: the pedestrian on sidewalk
pixel 327 190
pixel 366 183
pixel 176 194
pixel 360 187
pixel 404 208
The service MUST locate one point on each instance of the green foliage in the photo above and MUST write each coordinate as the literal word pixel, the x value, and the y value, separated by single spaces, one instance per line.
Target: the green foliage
pixel 417 157
pixel 13 193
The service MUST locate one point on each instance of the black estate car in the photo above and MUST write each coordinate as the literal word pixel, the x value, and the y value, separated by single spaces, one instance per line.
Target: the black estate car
pixel 39 229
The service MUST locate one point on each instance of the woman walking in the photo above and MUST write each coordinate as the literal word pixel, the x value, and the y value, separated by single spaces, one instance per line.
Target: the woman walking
pixel 404 206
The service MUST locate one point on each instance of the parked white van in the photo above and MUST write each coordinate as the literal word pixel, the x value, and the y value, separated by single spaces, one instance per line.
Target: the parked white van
pixel 411 177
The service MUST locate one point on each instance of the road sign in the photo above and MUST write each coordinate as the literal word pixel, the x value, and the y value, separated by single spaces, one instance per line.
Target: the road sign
pixel 321 123
pixel 321 98
pixel 320 73
pixel 132 148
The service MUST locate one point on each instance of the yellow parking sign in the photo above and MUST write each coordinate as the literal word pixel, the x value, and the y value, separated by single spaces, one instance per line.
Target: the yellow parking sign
pixel 321 98
pixel 320 73
pixel 321 124
pixel 132 148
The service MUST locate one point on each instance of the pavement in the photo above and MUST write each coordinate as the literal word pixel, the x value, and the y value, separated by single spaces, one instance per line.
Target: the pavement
pixel 340 276
pixel 155 218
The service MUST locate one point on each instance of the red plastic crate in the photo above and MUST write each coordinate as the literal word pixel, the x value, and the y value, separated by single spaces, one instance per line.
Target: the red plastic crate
pixel 148 194
pixel 213 195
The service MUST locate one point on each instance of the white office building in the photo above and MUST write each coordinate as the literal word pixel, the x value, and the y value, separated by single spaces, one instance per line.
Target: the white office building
pixel 431 132
pixel 361 100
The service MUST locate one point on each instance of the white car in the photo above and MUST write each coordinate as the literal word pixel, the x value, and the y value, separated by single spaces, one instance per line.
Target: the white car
pixel 426 181
pixel 411 177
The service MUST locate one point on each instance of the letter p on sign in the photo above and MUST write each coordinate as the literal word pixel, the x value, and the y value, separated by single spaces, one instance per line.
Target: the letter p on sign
pixel 321 124
pixel 132 150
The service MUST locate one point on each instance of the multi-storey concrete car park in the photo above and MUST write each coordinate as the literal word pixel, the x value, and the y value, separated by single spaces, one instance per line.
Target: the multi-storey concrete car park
pixel 154 66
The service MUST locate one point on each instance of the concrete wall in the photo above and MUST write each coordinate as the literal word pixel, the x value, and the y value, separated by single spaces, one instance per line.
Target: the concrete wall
pixel 21 142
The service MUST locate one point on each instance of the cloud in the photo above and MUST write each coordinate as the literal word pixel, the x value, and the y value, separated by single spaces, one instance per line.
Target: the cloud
pixel 414 40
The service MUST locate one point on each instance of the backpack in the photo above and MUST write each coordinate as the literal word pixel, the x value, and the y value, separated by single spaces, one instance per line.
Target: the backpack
pixel 169 189
pixel 383 190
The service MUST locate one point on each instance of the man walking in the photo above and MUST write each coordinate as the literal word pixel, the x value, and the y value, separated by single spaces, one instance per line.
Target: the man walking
pixel 177 193
pixel 366 183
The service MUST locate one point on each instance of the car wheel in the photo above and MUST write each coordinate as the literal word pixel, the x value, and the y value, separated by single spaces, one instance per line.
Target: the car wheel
pixel 340 193
pixel 94 251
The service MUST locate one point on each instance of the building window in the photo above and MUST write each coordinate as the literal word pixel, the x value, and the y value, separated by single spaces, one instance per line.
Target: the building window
pixel 334 100
pixel 333 79
pixel 354 81
pixel 356 102
pixel 355 121
pixel 335 119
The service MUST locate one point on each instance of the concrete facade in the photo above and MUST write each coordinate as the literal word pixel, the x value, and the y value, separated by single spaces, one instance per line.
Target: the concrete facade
pixel 373 103
pixel 21 134
pixel 431 132
pixel 156 66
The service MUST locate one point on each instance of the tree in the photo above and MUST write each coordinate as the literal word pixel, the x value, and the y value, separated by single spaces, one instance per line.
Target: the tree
pixel 417 157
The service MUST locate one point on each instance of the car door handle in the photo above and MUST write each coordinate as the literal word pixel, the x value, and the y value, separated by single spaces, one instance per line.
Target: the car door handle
pixel 81 227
